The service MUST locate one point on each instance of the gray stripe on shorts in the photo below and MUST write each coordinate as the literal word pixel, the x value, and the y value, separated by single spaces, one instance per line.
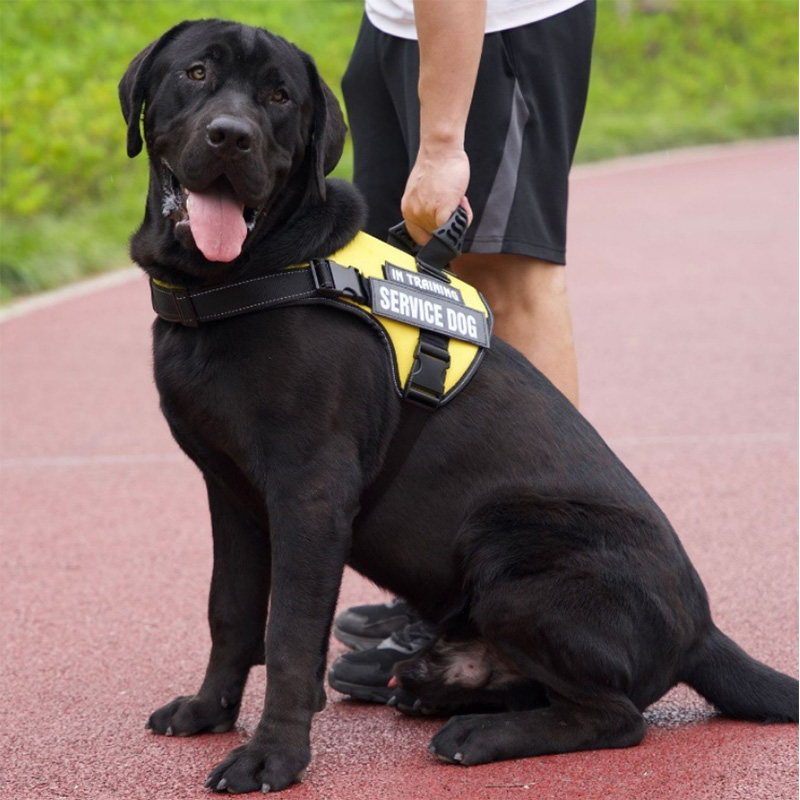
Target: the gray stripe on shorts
pixel 494 219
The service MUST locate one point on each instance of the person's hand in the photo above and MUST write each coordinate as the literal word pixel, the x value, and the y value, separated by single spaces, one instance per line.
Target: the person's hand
pixel 435 188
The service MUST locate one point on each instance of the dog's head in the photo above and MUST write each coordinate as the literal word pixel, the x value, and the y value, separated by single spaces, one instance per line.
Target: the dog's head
pixel 237 123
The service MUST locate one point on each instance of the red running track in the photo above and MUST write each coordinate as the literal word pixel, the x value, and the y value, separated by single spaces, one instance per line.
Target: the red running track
pixel 683 271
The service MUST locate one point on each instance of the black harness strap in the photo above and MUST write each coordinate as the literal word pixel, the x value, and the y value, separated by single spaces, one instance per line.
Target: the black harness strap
pixel 321 278
pixel 422 396
pixel 426 388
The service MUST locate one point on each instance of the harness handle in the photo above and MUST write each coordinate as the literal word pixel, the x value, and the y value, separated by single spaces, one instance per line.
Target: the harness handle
pixel 445 243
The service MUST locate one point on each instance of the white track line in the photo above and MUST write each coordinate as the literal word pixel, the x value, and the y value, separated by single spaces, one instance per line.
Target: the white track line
pixel 37 462
pixel 26 305
pixel 680 156
pixel 121 459
pixel 724 439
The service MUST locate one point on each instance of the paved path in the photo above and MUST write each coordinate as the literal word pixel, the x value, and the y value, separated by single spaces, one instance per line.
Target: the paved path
pixel 684 283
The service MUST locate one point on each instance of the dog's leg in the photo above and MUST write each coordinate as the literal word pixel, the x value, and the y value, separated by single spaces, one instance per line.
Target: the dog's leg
pixel 310 531
pixel 567 618
pixel 237 613
pixel 562 727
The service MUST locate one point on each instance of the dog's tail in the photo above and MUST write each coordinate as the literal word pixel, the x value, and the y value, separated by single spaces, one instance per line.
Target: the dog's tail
pixel 737 684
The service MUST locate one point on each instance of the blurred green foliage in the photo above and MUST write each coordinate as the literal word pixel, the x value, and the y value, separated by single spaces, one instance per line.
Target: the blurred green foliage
pixel 695 71
pixel 70 197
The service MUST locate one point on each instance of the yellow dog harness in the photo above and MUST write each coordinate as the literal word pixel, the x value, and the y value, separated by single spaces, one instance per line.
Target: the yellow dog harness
pixel 434 325
pixel 406 303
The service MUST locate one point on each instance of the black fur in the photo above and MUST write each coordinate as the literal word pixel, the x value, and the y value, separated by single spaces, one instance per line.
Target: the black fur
pixel 558 576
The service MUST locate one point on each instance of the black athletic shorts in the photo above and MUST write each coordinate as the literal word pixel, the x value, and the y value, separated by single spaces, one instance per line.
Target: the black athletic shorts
pixel 521 133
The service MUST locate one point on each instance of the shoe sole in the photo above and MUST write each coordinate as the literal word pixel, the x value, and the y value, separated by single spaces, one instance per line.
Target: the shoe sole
pixel 385 695
pixel 355 641
pixel 366 694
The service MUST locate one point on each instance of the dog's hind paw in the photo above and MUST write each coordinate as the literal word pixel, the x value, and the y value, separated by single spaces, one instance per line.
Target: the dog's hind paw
pixel 467 740
pixel 189 715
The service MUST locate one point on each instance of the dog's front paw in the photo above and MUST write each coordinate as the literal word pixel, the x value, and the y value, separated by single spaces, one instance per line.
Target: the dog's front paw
pixel 249 769
pixel 186 716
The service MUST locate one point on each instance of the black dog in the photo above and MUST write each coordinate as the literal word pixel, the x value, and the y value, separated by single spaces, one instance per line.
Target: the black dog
pixel 570 604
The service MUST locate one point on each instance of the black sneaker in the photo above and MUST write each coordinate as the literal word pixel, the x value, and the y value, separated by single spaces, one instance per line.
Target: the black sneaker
pixel 364 627
pixel 365 675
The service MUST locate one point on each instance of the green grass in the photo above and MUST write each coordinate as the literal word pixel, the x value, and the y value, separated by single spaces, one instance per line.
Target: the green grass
pixel 703 71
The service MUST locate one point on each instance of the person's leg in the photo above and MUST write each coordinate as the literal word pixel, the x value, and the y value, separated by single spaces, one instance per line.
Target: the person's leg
pixel 524 122
pixel 380 150
pixel 532 86
pixel 531 311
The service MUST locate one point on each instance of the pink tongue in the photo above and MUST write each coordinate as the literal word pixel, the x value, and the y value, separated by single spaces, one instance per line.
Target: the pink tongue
pixel 217 223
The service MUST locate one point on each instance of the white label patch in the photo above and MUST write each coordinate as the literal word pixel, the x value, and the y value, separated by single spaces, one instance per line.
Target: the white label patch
pixel 431 313
pixel 425 283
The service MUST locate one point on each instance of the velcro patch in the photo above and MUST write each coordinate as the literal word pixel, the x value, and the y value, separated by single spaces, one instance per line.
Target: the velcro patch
pixel 422 310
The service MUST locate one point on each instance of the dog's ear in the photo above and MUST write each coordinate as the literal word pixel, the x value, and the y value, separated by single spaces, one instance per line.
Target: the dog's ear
pixel 133 86
pixel 327 128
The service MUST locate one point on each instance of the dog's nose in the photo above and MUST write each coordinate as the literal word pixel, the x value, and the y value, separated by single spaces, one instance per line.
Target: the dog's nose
pixel 230 135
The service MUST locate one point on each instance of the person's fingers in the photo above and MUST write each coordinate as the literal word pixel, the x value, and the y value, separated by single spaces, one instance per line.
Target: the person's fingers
pixel 442 215
pixel 468 208
pixel 417 233
pixel 422 236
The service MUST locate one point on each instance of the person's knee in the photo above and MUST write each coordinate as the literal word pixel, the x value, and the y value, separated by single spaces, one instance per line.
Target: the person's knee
pixel 531 311
pixel 513 284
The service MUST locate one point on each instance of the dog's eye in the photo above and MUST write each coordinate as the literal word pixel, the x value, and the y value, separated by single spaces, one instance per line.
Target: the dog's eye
pixel 197 72
pixel 279 96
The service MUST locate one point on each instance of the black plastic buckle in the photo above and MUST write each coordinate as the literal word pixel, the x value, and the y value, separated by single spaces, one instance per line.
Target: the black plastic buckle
pixel 334 280
pixel 426 383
